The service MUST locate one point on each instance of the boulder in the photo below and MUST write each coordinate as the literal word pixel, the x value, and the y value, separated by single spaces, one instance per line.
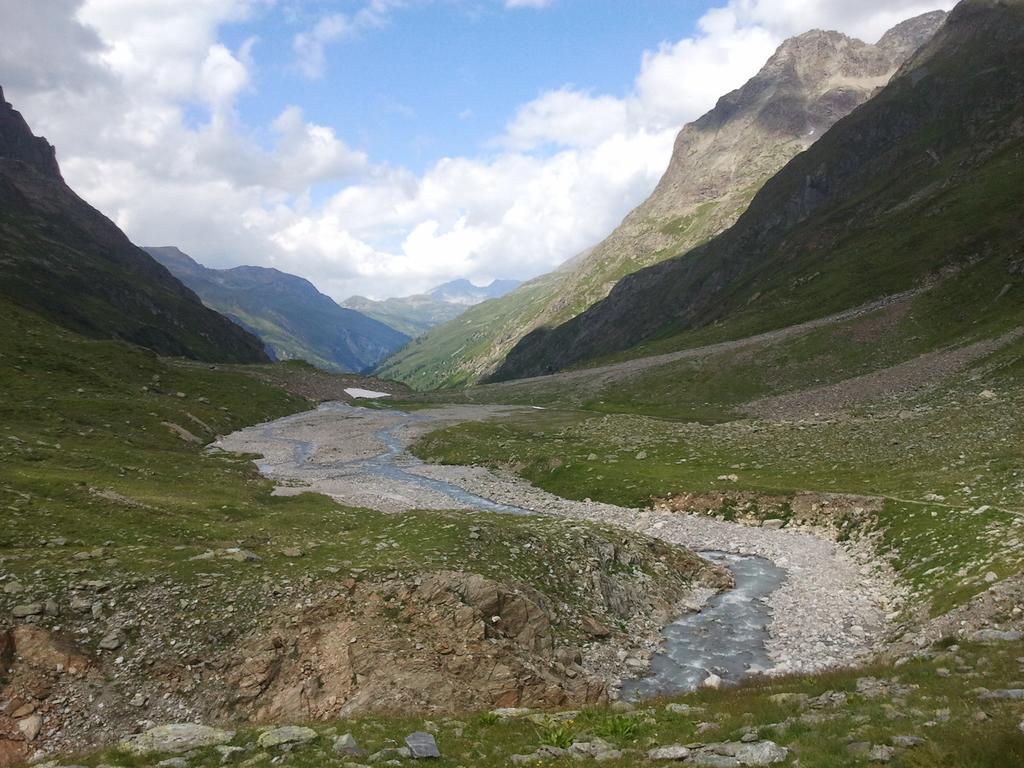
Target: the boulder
pixel 422 746
pixel 286 734
pixel 174 738
pixel 346 746
pixel 674 752
pixel 30 727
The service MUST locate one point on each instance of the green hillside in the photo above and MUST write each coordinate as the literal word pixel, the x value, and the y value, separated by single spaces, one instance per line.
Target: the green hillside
pixel 919 184
pixel 288 313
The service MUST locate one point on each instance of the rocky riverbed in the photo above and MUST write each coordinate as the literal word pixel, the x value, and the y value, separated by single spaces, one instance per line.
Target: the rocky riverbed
pixel 831 609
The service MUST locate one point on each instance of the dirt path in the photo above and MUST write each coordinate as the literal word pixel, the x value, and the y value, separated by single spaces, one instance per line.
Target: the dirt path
pixel 830 611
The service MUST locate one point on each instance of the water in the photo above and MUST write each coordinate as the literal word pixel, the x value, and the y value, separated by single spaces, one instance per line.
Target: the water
pixel 726 638
pixel 394 464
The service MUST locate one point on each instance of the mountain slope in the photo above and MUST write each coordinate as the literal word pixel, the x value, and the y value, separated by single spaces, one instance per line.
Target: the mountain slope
pixel 921 182
pixel 288 313
pixel 415 315
pixel 718 163
pixel 411 315
pixel 63 259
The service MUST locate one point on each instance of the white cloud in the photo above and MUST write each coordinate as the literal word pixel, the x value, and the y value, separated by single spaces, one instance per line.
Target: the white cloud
pixel 528 3
pixel 140 101
pixel 310 46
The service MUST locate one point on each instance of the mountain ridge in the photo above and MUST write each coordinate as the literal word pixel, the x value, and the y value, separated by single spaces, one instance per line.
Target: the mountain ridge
pixel 718 163
pixel 415 315
pixel 287 312
pixel 66 261
pixel 830 212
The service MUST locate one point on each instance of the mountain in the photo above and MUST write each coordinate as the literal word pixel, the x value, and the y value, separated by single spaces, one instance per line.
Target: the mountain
pixel 288 313
pixel 412 315
pixel 465 293
pixel 64 260
pixel 415 315
pixel 918 188
pixel 719 162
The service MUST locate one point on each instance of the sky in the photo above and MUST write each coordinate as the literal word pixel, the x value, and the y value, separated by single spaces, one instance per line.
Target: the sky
pixel 381 147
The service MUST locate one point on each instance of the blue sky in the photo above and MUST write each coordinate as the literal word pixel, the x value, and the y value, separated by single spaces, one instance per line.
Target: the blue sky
pixel 382 147
pixel 443 79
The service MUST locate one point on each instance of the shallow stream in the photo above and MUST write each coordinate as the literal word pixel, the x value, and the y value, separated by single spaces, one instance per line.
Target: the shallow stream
pixel 727 637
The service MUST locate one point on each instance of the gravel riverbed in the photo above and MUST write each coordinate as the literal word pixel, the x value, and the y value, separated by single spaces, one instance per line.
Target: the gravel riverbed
pixel 830 611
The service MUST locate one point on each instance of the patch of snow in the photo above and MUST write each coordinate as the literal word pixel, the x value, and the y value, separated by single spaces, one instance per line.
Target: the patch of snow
pixel 367 394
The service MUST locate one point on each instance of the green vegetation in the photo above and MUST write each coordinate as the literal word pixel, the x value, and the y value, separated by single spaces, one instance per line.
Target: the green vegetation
pixel 103 476
pixel 950 464
pixel 288 313
pixel 826 721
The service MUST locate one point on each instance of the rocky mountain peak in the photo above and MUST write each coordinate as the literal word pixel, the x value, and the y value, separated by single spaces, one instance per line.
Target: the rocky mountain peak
pixel 906 37
pixel 17 142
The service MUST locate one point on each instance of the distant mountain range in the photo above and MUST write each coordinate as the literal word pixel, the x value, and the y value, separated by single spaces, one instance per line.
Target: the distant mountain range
pixel 718 164
pixel 415 315
pixel 288 313
pixel 919 188
pixel 65 261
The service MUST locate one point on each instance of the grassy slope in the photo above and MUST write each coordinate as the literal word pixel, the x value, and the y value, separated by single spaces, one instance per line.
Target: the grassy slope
pixel 412 315
pixel 85 458
pixel 63 259
pixel 459 351
pixel 950 442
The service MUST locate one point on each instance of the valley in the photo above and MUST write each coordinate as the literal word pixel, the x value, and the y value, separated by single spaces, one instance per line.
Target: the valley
pixel 740 485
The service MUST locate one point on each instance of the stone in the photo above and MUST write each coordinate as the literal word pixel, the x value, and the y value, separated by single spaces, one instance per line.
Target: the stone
pixel 1011 694
pixel 240 555
pixel 26 610
pixel 112 641
pixel 422 746
pixel 674 752
pixel 773 524
pixel 229 754
pixel 173 762
pixel 996 636
pixel 13 588
pixel 175 738
pixel 789 699
pixel 30 727
pixel 510 713
pixel 292 552
pixel 286 734
pixel 346 746
pixel 760 753
pixel 880 753
pixel 389 754
pixel 907 742
pixel 712 681
pixel 594 628
pixel 138 700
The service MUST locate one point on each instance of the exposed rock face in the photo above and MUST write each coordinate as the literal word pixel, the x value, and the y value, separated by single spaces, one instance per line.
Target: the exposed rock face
pixel 63 259
pixel 35 666
pixel 718 164
pixel 450 642
pixel 879 164
pixel 18 143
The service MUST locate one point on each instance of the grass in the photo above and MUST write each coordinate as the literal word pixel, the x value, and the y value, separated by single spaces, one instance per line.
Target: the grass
pixel 920 700
pixel 951 444
pixel 89 465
